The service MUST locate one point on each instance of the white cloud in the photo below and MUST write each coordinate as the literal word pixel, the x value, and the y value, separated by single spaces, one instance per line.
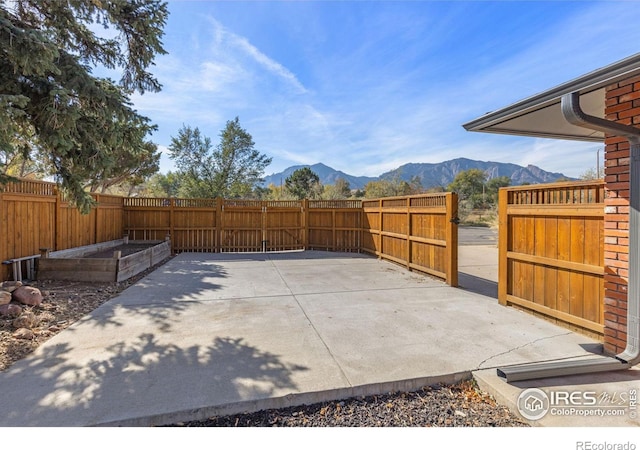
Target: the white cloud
pixel 224 37
pixel 216 76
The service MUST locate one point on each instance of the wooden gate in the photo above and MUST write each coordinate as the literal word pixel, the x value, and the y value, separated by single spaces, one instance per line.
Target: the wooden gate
pixel 419 232
pixel 551 251
pixel 261 226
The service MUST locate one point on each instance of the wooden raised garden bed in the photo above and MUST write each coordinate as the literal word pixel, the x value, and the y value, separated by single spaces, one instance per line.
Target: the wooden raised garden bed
pixel 105 262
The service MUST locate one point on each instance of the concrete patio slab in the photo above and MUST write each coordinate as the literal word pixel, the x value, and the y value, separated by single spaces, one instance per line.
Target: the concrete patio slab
pixel 210 334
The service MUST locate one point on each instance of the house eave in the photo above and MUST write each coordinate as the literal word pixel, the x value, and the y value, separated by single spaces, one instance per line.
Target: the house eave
pixel 540 114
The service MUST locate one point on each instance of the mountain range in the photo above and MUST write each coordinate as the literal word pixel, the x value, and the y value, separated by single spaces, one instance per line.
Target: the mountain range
pixel 430 174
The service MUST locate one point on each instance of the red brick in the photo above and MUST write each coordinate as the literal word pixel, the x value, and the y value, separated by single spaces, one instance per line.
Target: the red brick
pixel 633 80
pixel 610 301
pixel 617 311
pixel 616 202
pixel 616 217
pixel 616 248
pixel 622 319
pixel 617 153
pixel 624 161
pixel 618 264
pixel 614 325
pixel 611 179
pixel 616 233
pixel 610 318
pixel 630 96
pixel 610 102
pixel 629 113
pixel 610 348
pixel 618 108
pixel 616 140
pixel 616 295
pixel 619 91
pixel 618 169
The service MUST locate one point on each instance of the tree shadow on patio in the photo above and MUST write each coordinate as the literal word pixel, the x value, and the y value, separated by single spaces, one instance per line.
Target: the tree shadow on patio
pixel 196 280
pixel 139 382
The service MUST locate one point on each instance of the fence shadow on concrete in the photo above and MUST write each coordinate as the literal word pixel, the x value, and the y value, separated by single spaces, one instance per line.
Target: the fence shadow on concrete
pixel 478 285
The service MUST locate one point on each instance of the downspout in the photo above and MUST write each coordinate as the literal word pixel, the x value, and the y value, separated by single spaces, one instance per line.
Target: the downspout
pixel 631 355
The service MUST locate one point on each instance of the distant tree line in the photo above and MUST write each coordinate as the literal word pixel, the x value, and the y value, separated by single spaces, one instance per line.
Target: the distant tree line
pixel 475 190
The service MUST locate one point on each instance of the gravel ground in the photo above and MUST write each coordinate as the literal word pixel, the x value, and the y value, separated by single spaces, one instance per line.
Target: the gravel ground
pixel 459 405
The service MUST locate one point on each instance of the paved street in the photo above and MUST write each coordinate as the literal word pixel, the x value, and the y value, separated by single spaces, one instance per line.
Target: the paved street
pixel 477 236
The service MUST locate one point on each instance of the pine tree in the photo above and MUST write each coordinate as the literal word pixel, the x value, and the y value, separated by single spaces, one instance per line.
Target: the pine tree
pixel 79 124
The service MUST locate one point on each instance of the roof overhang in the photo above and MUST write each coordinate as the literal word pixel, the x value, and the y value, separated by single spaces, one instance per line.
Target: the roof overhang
pixel 541 115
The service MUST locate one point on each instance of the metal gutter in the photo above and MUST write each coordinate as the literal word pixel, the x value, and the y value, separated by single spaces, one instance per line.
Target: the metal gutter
pixel 631 355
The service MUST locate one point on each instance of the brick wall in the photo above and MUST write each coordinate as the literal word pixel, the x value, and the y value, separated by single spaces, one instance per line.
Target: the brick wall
pixel 622 105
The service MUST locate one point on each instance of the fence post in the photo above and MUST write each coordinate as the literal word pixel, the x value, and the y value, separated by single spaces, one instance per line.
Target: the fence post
pixel 219 224
pixel 503 235
pixel 56 219
pixel 305 224
pixel 334 243
pixel 380 229
pixel 451 202
pixel 361 232
pixel 408 252
pixel 172 235
pixel 96 220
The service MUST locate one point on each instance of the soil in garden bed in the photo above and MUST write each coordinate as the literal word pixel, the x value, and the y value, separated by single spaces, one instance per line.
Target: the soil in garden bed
pixel 125 249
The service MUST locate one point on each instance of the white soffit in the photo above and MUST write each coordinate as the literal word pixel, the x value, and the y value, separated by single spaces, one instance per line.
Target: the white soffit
pixel 541 115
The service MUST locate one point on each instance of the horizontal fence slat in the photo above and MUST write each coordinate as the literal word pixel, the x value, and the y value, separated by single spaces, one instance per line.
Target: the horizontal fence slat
pixel 587 210
pixel 569 318
pixel 556 263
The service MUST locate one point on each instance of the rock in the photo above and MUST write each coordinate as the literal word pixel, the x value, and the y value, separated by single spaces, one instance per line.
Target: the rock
pixel 28 295
pixel 10 310
pixel 10 286
pixel 5 297
pixel 23 333
pixel 25 320
pixel 45 318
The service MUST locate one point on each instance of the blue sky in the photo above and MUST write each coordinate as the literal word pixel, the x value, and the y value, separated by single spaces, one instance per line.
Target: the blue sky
pixel 366 86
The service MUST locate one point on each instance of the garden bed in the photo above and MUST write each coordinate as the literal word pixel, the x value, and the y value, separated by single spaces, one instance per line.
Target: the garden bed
pixel 110 261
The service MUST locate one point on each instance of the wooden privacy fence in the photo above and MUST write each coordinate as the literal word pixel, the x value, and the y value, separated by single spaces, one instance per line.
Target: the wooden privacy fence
pixel 551 251
pixel 34 215
pixel 222 225
pixel 419 232
pixel 334 225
